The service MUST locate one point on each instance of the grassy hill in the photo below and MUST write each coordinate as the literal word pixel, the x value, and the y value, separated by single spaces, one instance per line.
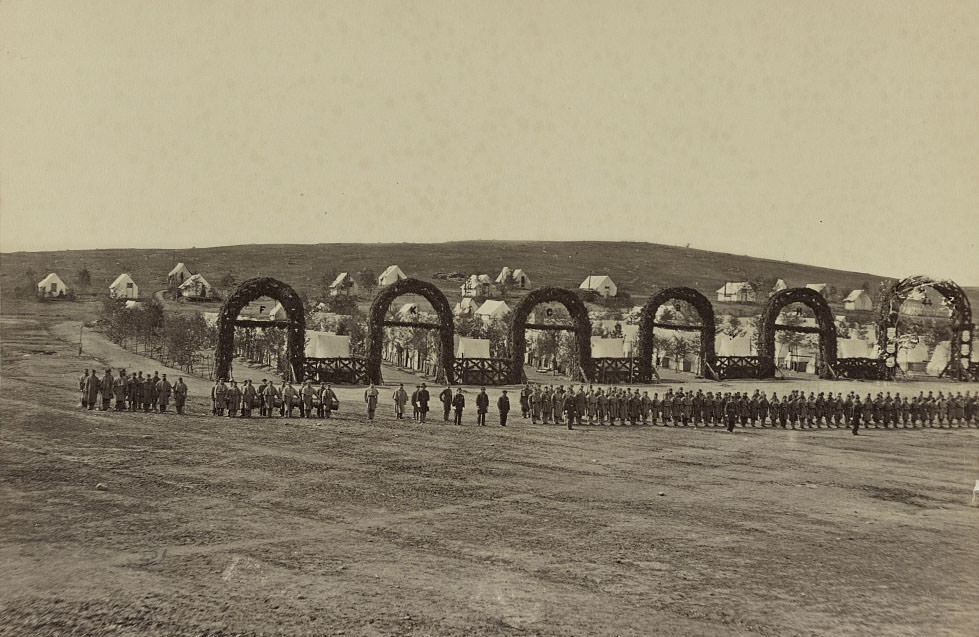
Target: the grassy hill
pixel 638 268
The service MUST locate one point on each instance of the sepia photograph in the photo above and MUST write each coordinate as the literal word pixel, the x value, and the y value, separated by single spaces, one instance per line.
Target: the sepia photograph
pixel 489 318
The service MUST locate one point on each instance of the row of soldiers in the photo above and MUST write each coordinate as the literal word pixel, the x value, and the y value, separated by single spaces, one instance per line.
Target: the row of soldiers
pixel 308 399
pixel 131 392
pixel 548 404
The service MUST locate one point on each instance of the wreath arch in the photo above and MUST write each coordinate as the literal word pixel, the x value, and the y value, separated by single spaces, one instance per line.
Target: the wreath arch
pixel 647 322
pixel 888 309
pixel 242 296
pixel 518 329
pixel 826 329
pixel 376 322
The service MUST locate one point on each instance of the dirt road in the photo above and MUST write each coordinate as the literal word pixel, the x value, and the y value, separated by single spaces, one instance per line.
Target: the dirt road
pixel 219 526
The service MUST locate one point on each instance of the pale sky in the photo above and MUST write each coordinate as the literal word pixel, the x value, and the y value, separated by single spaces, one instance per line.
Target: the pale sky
pixel 842 134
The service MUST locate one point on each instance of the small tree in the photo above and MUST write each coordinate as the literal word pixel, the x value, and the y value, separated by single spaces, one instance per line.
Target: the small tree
pixel 733 327
pixel 367 280
pixel 83 278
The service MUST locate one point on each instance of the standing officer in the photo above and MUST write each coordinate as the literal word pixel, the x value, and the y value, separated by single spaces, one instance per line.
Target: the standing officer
pixel 163 391
pixel 503 406
pixel 370 398
pixel 180 394
pixel 423 398
pixel 446 398
pixel 400 398
pixel 524 401
pixel 248 396
pixel 482 406
pixel 458 404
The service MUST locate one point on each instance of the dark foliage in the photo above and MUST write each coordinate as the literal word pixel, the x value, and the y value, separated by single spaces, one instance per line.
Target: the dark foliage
pixel 700 303
pixel 247 292
pixel 379 310
pixel 582 329
pixel 824 320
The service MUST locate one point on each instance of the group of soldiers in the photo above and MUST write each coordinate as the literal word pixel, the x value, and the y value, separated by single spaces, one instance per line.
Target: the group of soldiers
pixel 310 400
pixel 132 392
pixel 548 404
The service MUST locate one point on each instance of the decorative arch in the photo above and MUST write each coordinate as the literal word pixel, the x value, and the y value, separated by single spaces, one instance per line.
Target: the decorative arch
pixel 518 329
pixel 246 293
pixel 889 307
pixel 825 328
pixel 376 322
pixel 647 322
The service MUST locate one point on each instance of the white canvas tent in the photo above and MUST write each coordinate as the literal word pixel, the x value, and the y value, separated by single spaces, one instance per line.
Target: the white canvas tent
pixel 858 300
pixel 817 287
pixel 466 347
pixel 608 347
pixel 520 279
pixel 733 346
pixel 196 287
pixel 124 287
pixel 600 283
pixel 52 286
pixel 327 345
pixel 465 307
pixel 343 284
pixel 779 286
pixel 178 274
pixel 391 275
pixel 736 292
pixel 939 359
pixel 278 313
pixel 505 275
pixel 493 310
pixel 855 348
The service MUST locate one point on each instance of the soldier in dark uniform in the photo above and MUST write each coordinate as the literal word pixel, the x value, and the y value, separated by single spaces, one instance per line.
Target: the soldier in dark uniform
pixel 854 411
pixel 667 406
pixel 763 408
pixel 601 406
pixel 535 405
pixel 580 404
pixel 696 402
pixel 503 406
pixel 482 406
pixel 718 414
pixel 730 407
pixel 654 407
pixel 524 401
pixel 446 398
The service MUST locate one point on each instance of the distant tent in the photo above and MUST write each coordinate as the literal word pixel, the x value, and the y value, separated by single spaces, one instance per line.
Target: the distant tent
pixel 817 287
pixel 736 292
pixel 926 301
pixel 520 279
pixel 196 287
pixel 779 286
pixel 913 358
pixel 124 288
pixel 471 347
pixel 408 311
pixel 465 307
pixel 178 275
pixel 600 283
pixel 210 318
pixel 939 359
pixel 52 286
pixel 608 347
pixel 493 310
pixel 327 345
pixel 278 313
pixel 733 346
pixel 391 275
pixel 858 300
pixel 343 284
pixel 505 275
pixel 854 348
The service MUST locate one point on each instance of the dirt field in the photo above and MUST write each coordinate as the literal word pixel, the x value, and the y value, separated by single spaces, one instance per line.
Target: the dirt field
pixel 217 526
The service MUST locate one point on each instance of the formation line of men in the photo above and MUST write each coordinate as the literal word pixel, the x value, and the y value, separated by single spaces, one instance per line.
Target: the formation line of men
pixel 309 400
pixel 131 393
pixel 611 405
pixel 548 404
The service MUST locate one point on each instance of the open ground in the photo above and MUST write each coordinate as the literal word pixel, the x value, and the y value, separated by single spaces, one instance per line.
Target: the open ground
pixel 211 525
